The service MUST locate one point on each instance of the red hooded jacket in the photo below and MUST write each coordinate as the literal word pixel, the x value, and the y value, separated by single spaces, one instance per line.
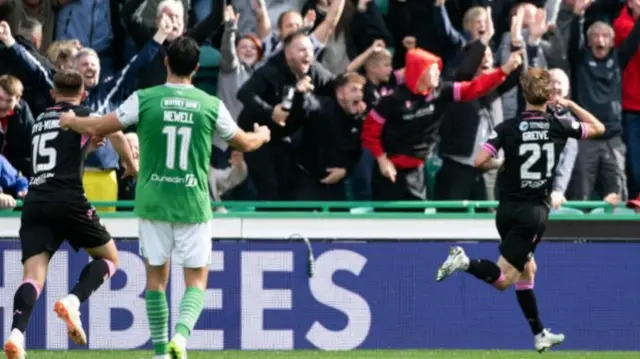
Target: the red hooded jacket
pixel 407 105
pixel 622 26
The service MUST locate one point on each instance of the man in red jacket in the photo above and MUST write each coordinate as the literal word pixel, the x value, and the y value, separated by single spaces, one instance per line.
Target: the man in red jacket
pixel 401 130
pixel 630 95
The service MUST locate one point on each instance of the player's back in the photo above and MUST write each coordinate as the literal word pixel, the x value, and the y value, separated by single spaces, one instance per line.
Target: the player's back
pixel 57 157
pixel 175 129
pixel 532 144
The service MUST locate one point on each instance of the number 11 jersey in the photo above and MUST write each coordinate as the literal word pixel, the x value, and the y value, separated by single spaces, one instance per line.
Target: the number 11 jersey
pixel 175 126
pixel 532 144
pixel 57 157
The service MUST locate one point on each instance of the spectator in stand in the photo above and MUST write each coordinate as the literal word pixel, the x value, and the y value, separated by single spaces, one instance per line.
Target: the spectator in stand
pixel 623 27
pixel 567 159
pixel 291 21
pixel 381 80
pixel 401 130
pixel 11 183
pixel 330 145
pixel 597 83
pixel 263 97
pixel 223 180
pixel 15 125
pixel 100 178
pixel 359 25
pixel 239 58
pixel 91 23
pixel 477 25
pixel 28 36
pixel 155 73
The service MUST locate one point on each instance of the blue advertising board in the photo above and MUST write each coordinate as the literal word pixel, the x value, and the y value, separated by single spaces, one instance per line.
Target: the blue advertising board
pixel 362 295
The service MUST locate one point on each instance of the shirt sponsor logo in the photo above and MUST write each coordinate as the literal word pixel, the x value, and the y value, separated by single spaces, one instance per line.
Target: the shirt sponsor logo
pixel 188 180
pixel 180 104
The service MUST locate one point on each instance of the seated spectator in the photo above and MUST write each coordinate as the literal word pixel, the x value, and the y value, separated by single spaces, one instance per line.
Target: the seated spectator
pixel 16 122
pixel 330 145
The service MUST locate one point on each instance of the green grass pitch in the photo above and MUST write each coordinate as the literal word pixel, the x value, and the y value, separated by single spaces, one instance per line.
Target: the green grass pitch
pixel 357 354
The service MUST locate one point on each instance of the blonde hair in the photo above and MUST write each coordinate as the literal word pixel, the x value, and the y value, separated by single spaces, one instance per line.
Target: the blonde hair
pixel 11 85
pixel 471 15
pixel 378 57
pixel 537 86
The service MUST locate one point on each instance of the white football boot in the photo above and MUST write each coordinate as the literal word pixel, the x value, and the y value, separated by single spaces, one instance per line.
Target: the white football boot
pixel 456 261
pixel 546 340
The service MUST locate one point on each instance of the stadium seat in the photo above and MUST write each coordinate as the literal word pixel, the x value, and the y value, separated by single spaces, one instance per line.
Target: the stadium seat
pixel 616 211
pixel 207 77
pixel 566 210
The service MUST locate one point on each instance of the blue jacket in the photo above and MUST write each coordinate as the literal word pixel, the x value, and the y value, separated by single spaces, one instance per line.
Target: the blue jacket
pixel 102 99
pixel 10 181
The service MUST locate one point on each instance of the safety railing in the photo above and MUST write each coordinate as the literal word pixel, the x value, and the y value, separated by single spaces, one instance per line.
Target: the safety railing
pixel 397 209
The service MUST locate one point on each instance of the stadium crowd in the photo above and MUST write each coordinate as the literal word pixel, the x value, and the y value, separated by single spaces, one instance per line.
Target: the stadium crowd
pixel 316 72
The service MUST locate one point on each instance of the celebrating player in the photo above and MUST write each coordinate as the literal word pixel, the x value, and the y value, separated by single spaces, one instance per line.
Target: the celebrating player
pixel 176 123
pixel 532 143
pixel 56 209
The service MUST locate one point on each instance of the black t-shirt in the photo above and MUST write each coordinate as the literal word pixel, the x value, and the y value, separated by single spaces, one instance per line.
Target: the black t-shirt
pixel 532 144
pixel 57 157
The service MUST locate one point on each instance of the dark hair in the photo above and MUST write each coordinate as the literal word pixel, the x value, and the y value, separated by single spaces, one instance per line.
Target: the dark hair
pixel 347 78
pixel 286 42
pixel 183 55
pixel 537 86
pixel 68 83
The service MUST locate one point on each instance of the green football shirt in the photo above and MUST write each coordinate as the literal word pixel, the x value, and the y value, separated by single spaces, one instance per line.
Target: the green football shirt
pixel 175 127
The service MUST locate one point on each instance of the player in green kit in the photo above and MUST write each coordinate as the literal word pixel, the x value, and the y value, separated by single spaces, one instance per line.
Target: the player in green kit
pixel 175 126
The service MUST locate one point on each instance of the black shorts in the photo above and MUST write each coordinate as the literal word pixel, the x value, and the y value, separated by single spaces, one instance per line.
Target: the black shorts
pixel 520 225
pixel 45 225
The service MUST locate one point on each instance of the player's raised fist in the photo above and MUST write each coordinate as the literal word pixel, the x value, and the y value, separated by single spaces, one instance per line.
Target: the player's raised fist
pixel 66 119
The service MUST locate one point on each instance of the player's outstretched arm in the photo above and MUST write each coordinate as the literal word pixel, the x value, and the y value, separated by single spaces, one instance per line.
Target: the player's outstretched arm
pixel 250 141
pixel 92 126
pixel 592 126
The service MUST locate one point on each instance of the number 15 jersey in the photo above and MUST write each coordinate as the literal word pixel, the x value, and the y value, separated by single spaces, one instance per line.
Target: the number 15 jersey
pixel 175 127
pixel 532 144
pixel 57 157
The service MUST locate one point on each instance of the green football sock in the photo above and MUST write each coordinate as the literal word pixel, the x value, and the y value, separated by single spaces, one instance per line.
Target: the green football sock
pixel 158 315
pixel 190 308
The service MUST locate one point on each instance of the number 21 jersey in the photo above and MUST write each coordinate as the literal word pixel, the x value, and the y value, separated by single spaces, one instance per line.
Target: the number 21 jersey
pixel 57 157
pixel 532 144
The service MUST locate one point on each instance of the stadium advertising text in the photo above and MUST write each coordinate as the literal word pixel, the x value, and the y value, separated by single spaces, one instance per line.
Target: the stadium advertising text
pixel 374 295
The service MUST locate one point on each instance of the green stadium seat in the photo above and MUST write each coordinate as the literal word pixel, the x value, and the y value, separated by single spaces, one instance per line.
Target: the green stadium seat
pixel 383 6
pixel 206 78
pixel 361 210
pixel 430 170
pixel 616 211
pixel 566 210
